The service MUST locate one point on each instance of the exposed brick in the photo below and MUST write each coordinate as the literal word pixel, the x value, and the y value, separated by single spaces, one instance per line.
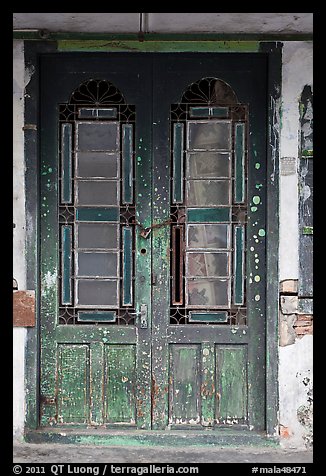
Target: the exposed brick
pixel 24 308
pixel 285 432
pixel 289 286
pixel 303 325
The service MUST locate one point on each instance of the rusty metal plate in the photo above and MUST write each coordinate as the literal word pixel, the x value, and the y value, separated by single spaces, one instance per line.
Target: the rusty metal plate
pixel 24 308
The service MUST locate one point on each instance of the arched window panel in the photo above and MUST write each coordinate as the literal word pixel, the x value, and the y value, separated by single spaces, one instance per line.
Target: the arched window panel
pixel 96 208
pixel 209 129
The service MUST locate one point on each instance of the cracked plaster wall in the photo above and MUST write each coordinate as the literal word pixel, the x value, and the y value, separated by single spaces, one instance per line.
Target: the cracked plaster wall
pixel 295 357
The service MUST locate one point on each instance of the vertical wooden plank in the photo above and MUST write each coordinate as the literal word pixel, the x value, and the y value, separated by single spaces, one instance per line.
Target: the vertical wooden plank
pixel 143 247
pixel 208 384
pixel 231 381
pixel 73 384
pixel 96 383
pixel 273 52
pixel 120 384
pixel 184 385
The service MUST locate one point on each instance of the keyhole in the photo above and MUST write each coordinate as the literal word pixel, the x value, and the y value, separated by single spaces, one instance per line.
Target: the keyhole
pixel 143 251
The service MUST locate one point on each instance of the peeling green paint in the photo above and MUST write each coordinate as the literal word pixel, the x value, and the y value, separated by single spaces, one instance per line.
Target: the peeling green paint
pixel 159 46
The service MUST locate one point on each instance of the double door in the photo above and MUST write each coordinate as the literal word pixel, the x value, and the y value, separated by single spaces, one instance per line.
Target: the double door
pixel 152 251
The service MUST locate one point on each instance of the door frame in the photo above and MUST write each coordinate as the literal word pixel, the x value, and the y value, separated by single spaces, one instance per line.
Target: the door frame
pixel 273 50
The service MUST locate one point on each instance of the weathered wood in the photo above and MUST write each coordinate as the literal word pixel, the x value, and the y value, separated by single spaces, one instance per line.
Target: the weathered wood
pixel 119 384
pixel 73 402
pixel 231 384
pixel 208 384
pixel 184 385
pixel 24 308
pixel 96 383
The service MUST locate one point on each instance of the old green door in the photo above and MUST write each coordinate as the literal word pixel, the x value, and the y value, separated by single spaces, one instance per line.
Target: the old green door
pixel 152 294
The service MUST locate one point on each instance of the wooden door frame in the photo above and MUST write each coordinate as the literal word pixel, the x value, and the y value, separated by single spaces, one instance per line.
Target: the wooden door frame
pixel 33 50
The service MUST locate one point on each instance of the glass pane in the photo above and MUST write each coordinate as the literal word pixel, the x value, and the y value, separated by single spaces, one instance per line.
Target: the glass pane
pixel 178 134
pixel 239 163
pixel 104 316
pixel 127 266
pixel 66 160
pixel 97 214
pixel 238 263
pixel 127 163
pixel 207 292
pixel 208 317
pixel 211 215
pixel 205 193
pixel 99 292
pixel 98 136
pixel 97 236
pixel 207 264
pixel 66 240
pixel 97 193
pixel 97 164
pixel 209 135
pixel 97 264
pixel 208 236
pixel 99 113
pixel 209 111
pixel 208 165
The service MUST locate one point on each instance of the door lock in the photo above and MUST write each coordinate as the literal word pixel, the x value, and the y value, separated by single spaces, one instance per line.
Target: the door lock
pixel 143 316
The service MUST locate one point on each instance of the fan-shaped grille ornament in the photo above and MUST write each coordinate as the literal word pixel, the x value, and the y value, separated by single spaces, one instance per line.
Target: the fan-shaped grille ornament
pixel 97 92
pixel 211 91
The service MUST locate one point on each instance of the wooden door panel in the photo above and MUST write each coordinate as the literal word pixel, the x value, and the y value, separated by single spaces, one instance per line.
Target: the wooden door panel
pixel 204 365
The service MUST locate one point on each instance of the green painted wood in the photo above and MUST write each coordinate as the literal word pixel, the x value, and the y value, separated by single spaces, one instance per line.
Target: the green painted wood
pixel 73 400
pixel 159 46
pixel 97 214
pixel 184 385
pixel 120 380
pixel 273 52
pixel 231 384
pixel 208 384
pixel 51 36
pixel 127 163
pixel 66 162
pixel 229 437
pixel 96 383
pixel 127 267
pixel 208 215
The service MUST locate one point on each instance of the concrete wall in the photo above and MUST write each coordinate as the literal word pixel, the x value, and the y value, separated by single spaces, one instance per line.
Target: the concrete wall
pixel 19 264
pixel 295 365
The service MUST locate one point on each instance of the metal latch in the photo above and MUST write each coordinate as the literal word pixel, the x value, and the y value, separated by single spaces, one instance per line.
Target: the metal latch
pixel 143 316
